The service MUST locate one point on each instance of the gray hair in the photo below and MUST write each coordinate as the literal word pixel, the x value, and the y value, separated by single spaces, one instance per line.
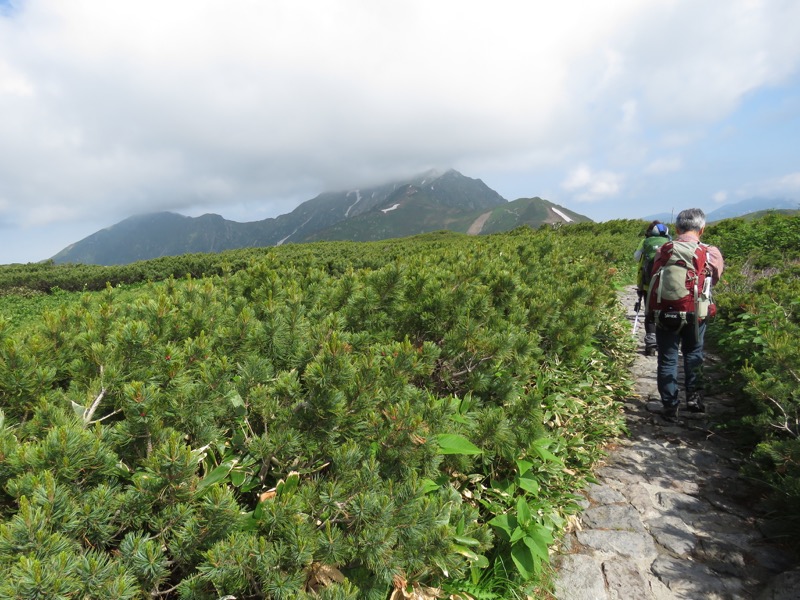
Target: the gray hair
pixel 691 219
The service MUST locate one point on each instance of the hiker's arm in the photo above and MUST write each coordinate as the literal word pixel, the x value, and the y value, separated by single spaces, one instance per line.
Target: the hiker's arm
pixel 638 253
pixel 716 262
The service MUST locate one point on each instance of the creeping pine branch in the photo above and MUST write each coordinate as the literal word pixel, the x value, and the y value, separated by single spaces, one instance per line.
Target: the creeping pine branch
pixel 158 594
pixel 785 426
pixel 101 419
pixel 87 417
pixel 472 366
pixel 89 412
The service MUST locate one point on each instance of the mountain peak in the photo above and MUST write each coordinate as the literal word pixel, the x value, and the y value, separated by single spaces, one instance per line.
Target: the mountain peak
pixel 431 201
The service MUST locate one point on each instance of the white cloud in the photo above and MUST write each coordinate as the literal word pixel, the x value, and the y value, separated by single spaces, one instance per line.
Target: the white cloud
pixel 590 186
pixel 789 182
pixel 664 165
pixel 684 54
pixel 785 185
pixel 720 196
pixel 112 108
pixel 12 82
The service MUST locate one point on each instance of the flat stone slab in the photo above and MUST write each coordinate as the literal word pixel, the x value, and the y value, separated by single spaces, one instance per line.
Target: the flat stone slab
pixel 688 579
pixel 625 581
pixel 613 516
pixel 580 577
pixel 632 544
pixel 783 587
pixel 603 494
pixel 673 534
pixel 678 503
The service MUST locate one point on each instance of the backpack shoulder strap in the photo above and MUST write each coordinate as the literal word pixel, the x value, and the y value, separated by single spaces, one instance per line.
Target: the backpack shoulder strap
pixel 702 259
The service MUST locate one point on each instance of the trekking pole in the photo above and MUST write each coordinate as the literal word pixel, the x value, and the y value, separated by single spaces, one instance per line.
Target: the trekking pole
pixel 696 314
pixel 637 307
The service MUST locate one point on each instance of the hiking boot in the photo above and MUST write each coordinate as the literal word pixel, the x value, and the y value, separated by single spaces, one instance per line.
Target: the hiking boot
pixel 670 413
pixel 694 403
pixel 650 350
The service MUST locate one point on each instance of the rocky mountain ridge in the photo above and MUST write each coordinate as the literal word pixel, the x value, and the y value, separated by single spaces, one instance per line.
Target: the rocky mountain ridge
pixel 428 202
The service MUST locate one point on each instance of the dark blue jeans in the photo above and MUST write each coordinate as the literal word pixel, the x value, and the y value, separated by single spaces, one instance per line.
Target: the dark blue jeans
pixel 669 342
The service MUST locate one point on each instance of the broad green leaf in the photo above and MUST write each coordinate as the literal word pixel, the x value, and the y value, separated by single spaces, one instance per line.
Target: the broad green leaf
pixel 529 484
pixel 238 477
pixel 476 560
pixel 504 487
pixel 505 524
pixel 238 404
pixel 540 447
pixel 428 485
pixel 235 399
pixel 524 466
pixel 466 541
pixel 466 552
pixel 452 443
pixel 518 534
pixel 215 476
pixel 523 560
pixel 523 512
pixel 481 563
pixel 537 547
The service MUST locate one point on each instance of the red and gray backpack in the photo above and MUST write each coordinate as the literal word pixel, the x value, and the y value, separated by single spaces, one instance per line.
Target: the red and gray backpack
pixel 680 287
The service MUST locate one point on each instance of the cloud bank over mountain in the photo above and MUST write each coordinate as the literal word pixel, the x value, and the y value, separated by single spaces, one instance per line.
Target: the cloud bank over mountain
pixel 109 109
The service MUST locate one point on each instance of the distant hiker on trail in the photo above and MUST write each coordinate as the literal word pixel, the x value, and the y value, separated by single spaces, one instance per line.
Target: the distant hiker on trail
pixel 656 235
pixel 679 303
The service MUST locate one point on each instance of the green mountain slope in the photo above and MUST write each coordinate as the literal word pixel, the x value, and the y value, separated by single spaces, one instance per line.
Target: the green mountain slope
pixel 431 201
pixel 529 211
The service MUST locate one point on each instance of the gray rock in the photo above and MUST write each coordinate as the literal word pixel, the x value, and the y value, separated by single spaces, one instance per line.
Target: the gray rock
pixel 687 579
pixel 617 474
pixel 613 516
pixel 785 586
pixel 727 504
pixel 673 534
pixel 703 459
pixel 640 498
pixel 721 522
pixel 655 406
pixel 678 503
pixel 580 577
pixel 603 494
pixel 624 581
pixel 721 555
pixel 632 544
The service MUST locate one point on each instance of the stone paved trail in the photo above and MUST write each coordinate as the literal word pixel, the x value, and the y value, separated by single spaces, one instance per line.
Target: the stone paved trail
pixel 671 518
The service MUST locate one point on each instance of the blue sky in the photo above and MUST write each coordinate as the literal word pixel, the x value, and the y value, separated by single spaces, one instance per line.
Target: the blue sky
pixel 614 109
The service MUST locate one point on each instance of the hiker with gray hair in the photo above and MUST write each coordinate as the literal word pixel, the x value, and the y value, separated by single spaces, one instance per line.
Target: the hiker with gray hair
pixel 679 303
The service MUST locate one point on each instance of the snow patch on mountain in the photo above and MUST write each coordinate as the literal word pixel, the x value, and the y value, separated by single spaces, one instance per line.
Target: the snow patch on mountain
pixel 561 214
pixel 280 242
pixel 358 199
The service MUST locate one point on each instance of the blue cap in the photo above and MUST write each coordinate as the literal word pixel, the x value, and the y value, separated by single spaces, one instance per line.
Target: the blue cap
pixel 659 230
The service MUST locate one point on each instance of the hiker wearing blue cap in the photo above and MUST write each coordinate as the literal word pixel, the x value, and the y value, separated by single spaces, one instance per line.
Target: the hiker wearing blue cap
pixel 656 235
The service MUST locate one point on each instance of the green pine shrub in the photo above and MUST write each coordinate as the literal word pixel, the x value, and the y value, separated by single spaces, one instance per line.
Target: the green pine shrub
pixel 333 419
pixel 758 336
